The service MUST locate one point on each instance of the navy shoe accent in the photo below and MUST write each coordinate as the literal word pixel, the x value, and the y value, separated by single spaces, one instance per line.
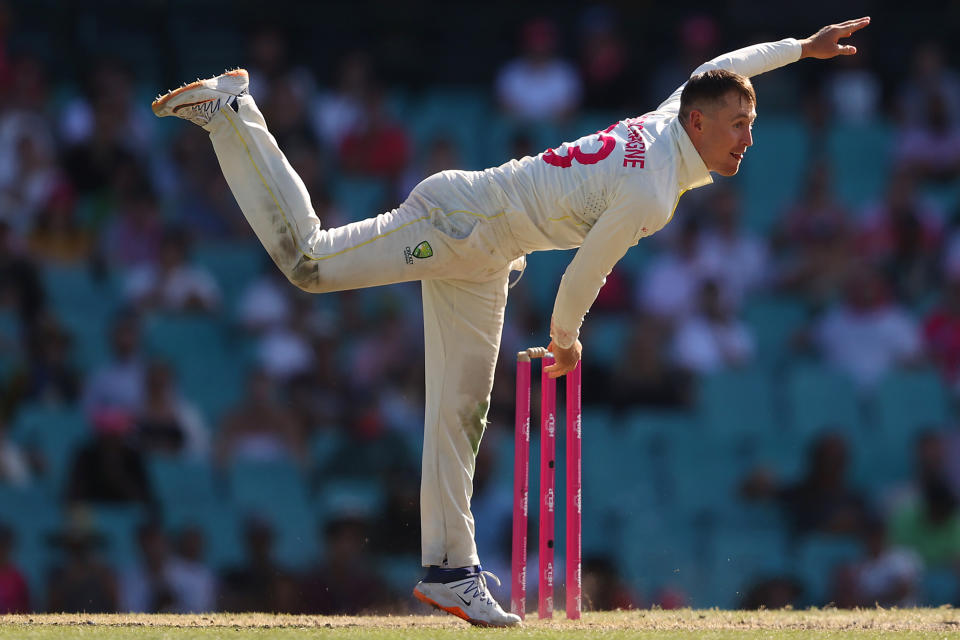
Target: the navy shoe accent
pixel 444 575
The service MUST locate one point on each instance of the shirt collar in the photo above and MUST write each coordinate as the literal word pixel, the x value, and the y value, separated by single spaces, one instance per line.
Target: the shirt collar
pixel 691 172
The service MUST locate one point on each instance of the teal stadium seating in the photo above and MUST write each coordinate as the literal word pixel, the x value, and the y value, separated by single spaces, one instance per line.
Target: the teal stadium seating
pixel 55 433
pixel 276 492
pixel 774 172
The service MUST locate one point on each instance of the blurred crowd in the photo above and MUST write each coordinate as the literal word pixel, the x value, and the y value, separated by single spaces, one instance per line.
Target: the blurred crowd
pixel 92 184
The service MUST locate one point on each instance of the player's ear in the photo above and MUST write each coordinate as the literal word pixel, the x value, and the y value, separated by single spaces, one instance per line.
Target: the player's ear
pixel 695 120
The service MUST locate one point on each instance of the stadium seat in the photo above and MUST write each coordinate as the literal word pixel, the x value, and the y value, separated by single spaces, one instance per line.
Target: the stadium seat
pixel 905 403
pixel 361 198
pixel 34 515
pixel 859 157
pixel 277 493
pixel 234 265
pixel 741 557
pixel 118 524
pixel 816 557
pixel 737 404
pixel 457 113
pixel 939 587
pixel 55 433
pixel 606 334
pixel 178 483
pixel 773 321
pixel 818 397
pixel 776 167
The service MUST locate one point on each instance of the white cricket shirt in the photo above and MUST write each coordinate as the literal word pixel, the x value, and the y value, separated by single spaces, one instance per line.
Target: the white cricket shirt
pixel 605 191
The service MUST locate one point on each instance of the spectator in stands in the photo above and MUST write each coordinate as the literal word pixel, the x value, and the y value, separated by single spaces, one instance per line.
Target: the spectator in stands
pixel 108 468
pixel 671 283
pixel 119 382
pixel 604 60
pixel 735 258
pixel 287 106
pixel 14 591
pixel 377 146
pixel 347 583
pixel 108 89
pixel 269 63
pixel 194 583
pixel 643 375
pixel 930 76
pixel 340 110
pixel 259 428
pixel 15 467
pixel 941 331
pixel 903 235
pixel 173 283
pixel 20 286
pixel 46 376
pixel 164 582
pixel 713 339
pixel 867 334
pixel 441 154
pixel 133 235
pixel 320 397
pixel 265 302
pixel 29 175
pixel 146 587
pixel 930 148
pixel 887 576
pixel 285 351
pixel 930 526
pixel 822 500
pixel 82 582
pixel 166 422
pixel 603 587
pixel 854 89
pixel 813 241
pixel 56 236
pixel 202 203
pixel 539 85
pixel 259 584
pixel 930 454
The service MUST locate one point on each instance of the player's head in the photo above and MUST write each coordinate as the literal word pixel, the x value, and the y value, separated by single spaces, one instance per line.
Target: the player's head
pixel 717 109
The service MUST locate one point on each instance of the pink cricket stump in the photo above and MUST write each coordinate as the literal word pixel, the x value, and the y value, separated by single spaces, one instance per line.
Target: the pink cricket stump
pixel 574 492
pixel 548 472
pixel 521 488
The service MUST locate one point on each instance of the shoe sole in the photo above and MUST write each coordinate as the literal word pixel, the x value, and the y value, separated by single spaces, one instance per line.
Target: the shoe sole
pixel 159 103
pixel 456 611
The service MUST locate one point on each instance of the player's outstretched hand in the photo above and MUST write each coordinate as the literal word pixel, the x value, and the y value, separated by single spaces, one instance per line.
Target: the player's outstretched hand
pixel 825 43
pixel 564 360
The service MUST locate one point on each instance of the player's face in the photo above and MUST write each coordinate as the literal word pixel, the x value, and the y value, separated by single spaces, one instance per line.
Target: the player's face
pixel 727 132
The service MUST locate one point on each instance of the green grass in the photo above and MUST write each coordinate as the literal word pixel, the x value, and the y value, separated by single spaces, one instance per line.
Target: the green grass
pixel 864 624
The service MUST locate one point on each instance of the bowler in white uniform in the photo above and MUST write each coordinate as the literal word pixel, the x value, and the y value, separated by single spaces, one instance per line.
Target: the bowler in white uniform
pixel 461 233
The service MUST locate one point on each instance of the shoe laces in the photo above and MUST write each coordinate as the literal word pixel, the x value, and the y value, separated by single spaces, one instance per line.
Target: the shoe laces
pixel 477 585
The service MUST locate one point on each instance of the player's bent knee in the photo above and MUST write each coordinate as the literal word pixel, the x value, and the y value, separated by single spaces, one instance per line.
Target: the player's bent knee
pixel 305 275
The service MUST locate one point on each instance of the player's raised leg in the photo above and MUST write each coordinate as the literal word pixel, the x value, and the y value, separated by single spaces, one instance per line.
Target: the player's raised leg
pixel 462 325
pixel 407 243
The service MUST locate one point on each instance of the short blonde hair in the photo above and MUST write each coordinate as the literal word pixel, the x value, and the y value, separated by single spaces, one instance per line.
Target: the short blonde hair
pixel 710 87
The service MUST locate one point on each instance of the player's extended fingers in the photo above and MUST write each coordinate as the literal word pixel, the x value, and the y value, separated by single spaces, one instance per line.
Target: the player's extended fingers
pixel 849 28
pixel 847 50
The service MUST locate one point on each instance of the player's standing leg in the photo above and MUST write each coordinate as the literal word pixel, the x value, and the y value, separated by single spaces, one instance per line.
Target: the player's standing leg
pixel 462 326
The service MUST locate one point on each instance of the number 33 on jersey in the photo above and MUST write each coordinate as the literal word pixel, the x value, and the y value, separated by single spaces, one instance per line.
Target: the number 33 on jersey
pixel 604 144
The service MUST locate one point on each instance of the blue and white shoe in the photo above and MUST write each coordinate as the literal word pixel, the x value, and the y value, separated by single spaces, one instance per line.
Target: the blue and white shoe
pixel 201 100
pixel 467 598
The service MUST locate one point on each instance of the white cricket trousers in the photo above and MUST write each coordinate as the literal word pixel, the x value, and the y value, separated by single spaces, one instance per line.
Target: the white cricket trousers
pixel 452 234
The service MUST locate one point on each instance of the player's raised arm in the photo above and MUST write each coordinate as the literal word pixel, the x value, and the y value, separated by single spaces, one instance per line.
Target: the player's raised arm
pixel 760 58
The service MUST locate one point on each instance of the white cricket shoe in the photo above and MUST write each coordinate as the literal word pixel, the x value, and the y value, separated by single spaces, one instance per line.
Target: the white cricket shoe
pixel 468 599
pixel 201 100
